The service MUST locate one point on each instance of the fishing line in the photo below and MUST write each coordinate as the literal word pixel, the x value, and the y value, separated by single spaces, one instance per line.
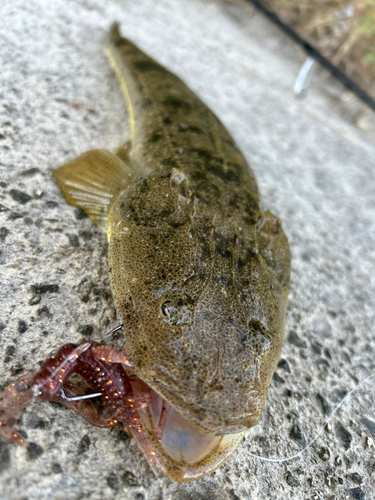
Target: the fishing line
pixel 296 455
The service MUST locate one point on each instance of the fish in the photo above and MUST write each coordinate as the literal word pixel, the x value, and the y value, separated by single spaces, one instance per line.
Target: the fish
pixel 199 272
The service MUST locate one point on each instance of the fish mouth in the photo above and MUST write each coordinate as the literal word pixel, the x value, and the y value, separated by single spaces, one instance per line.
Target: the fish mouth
pixel 185 452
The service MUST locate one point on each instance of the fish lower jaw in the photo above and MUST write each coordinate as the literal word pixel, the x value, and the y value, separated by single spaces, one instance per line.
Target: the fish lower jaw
pixel 185 453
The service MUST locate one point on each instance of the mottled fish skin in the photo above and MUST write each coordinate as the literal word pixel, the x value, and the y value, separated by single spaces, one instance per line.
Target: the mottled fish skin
pixel 199 273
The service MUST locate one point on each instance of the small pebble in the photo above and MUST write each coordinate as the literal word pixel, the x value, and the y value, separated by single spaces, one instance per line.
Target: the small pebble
pixel 295 340
pixel 345 436
pixel 84 444
pixel 291 480
pixel 22 326
pixel 73 240
pixel 129 479
pixel 19 196
pixel 34 451
pixel 3 233
pixel 113 481
pixel 35 299
pixel 357 494
pixel 283 363
pixel 44 288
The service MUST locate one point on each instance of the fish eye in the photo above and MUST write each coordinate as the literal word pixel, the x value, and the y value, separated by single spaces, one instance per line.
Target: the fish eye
pixel 259 339
pixel 165 308
pixel 176 308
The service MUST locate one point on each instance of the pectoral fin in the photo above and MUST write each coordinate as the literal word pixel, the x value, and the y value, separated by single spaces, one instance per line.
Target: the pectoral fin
pixel 91 181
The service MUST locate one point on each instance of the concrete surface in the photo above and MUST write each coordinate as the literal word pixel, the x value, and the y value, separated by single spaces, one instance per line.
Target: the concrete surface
pixel 315 170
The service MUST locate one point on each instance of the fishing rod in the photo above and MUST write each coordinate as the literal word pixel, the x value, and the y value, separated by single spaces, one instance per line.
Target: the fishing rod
pixel 315 54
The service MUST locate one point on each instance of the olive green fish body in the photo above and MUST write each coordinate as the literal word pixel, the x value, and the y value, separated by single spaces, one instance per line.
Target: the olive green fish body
pixel 199 273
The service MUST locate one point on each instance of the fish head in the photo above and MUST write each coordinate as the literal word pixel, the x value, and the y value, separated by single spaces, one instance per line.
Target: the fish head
pixel 204 343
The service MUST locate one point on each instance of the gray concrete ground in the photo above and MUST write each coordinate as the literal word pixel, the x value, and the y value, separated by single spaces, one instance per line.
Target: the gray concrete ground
pixel 315 170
